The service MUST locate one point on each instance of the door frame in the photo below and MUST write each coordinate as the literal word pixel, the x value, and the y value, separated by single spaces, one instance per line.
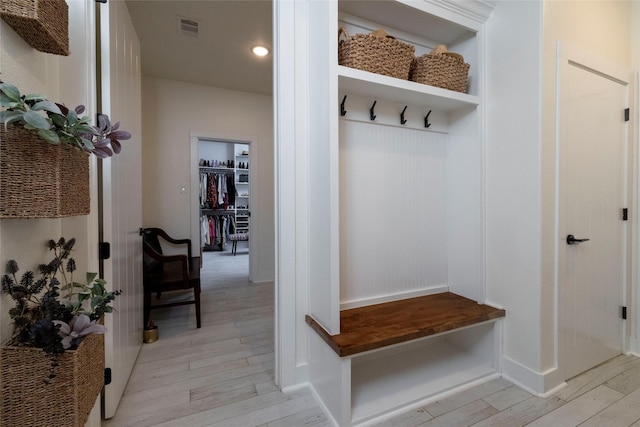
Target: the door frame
pixel 194 212
pixel 569 55
pixel 634 344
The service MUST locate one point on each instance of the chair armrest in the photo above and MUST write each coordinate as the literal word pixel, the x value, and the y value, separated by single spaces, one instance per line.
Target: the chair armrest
pixel 160 232
pixel 168 258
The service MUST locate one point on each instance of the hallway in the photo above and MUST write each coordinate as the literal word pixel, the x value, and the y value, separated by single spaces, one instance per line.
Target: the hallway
pixel 220 374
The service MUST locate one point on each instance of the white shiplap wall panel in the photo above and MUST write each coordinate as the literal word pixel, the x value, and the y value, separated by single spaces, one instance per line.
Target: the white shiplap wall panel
pixel 392 211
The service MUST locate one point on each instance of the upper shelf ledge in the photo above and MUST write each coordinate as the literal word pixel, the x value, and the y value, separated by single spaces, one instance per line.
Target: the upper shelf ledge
pixel 376 86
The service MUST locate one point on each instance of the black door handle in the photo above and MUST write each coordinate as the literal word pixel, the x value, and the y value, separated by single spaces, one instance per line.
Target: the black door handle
pixel 571 240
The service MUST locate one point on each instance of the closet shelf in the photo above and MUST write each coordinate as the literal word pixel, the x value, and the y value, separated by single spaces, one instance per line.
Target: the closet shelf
pixel 379 87
pixel 217 170
pixel 218 211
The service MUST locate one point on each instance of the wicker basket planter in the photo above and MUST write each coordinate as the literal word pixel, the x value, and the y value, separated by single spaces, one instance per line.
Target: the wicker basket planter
pixel 380 55
pixel 445 70
pixel 44 24
pixel 66 401
pixel 41 180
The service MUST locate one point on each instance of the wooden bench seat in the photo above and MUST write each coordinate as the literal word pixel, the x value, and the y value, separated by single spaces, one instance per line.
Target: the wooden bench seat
pixel 380 325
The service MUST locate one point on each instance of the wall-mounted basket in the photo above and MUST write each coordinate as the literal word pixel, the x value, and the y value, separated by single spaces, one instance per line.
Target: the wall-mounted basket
pixel 445 70
pixel 67 400
pixel 44 24
pixel 41 180
pixel 376 52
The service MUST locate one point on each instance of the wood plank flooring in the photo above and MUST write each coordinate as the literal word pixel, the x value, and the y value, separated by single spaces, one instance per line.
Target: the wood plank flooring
pixel 222 374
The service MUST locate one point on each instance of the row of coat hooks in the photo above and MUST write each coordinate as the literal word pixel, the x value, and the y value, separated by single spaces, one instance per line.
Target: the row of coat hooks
pixel 372 114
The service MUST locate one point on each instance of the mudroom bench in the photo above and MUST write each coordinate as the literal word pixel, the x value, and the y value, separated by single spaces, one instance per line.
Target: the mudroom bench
pixel 392 355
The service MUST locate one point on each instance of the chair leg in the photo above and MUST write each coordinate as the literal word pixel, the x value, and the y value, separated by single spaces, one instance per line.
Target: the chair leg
pixel 196 291
pixel 146 307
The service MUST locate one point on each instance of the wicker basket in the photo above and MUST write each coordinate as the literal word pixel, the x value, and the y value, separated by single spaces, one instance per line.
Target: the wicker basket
pixel 44 24
pixel 41 180
pixel 380 55
pixel 445 70
pixel 66 401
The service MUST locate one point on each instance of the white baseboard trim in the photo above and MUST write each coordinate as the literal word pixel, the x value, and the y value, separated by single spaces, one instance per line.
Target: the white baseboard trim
pixel 326 411
pixel 540 384
pixel 295 388
pixel 260 281
pixel 393 297
pixel 633 346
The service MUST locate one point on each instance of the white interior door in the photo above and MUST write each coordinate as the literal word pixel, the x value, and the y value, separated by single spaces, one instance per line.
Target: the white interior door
pixel 593 174
pixel 121 196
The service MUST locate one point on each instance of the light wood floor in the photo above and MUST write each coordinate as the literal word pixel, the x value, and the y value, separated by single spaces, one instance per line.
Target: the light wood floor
pixel 222 374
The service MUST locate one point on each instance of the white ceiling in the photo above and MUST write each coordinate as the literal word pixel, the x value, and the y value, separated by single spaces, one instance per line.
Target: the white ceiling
pixel 221 54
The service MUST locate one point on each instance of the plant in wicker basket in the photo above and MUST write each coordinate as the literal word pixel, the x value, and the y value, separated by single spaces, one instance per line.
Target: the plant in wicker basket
pixel 51 313
pixel 57 124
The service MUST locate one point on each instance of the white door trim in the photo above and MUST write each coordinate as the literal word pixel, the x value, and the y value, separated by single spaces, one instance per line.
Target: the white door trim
pixel 196 136
pixel 568 54
pixel 634 345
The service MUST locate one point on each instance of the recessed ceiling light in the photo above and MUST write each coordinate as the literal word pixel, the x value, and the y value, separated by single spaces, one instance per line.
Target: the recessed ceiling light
pixel 260 51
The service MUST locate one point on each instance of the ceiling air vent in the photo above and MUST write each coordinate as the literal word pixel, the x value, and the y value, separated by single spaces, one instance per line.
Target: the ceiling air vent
pixel 188 27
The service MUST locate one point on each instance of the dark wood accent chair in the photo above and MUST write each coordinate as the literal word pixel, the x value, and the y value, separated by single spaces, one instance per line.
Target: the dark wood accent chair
pixel 166 273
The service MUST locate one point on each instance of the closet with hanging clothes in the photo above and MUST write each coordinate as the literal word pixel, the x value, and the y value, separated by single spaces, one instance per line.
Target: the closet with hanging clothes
pixel 223 193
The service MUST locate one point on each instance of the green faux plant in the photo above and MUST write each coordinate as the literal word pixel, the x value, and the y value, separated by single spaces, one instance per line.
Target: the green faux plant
pixel 57 124
pixel 54 312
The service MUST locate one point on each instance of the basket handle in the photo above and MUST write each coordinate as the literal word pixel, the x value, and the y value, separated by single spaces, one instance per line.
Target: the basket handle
pixel 341 31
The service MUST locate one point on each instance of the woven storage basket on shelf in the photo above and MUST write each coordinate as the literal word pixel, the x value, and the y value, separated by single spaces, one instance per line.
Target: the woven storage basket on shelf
pixel 380 55
pixel 69 397
pixel 44 24
pixel 41 180
pixel 445 70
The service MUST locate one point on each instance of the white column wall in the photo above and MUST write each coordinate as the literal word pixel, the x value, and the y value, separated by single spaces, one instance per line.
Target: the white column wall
pixel 513 193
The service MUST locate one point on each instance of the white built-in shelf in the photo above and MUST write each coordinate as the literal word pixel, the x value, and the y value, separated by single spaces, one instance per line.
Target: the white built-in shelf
pixel 377 86
pixel 404 377
pixel 430 20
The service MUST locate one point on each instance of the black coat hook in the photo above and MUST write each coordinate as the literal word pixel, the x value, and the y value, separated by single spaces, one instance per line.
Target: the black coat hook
pixel 402 120
pixel 343 112
pixel 373 116
pixel 426 120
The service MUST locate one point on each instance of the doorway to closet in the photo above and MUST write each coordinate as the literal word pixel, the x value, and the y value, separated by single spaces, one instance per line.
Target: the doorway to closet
pixel 224 204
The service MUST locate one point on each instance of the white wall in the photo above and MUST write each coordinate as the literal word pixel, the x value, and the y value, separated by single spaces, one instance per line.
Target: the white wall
pixel 521 162
pixel 211 150
pixel 171 110
pixel 64 79
pixel 602 28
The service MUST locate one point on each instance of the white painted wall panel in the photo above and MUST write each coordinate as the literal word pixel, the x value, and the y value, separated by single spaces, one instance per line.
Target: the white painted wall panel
pixel 323 165
pixel 122 191
pixel 465 203
pixel 392 210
